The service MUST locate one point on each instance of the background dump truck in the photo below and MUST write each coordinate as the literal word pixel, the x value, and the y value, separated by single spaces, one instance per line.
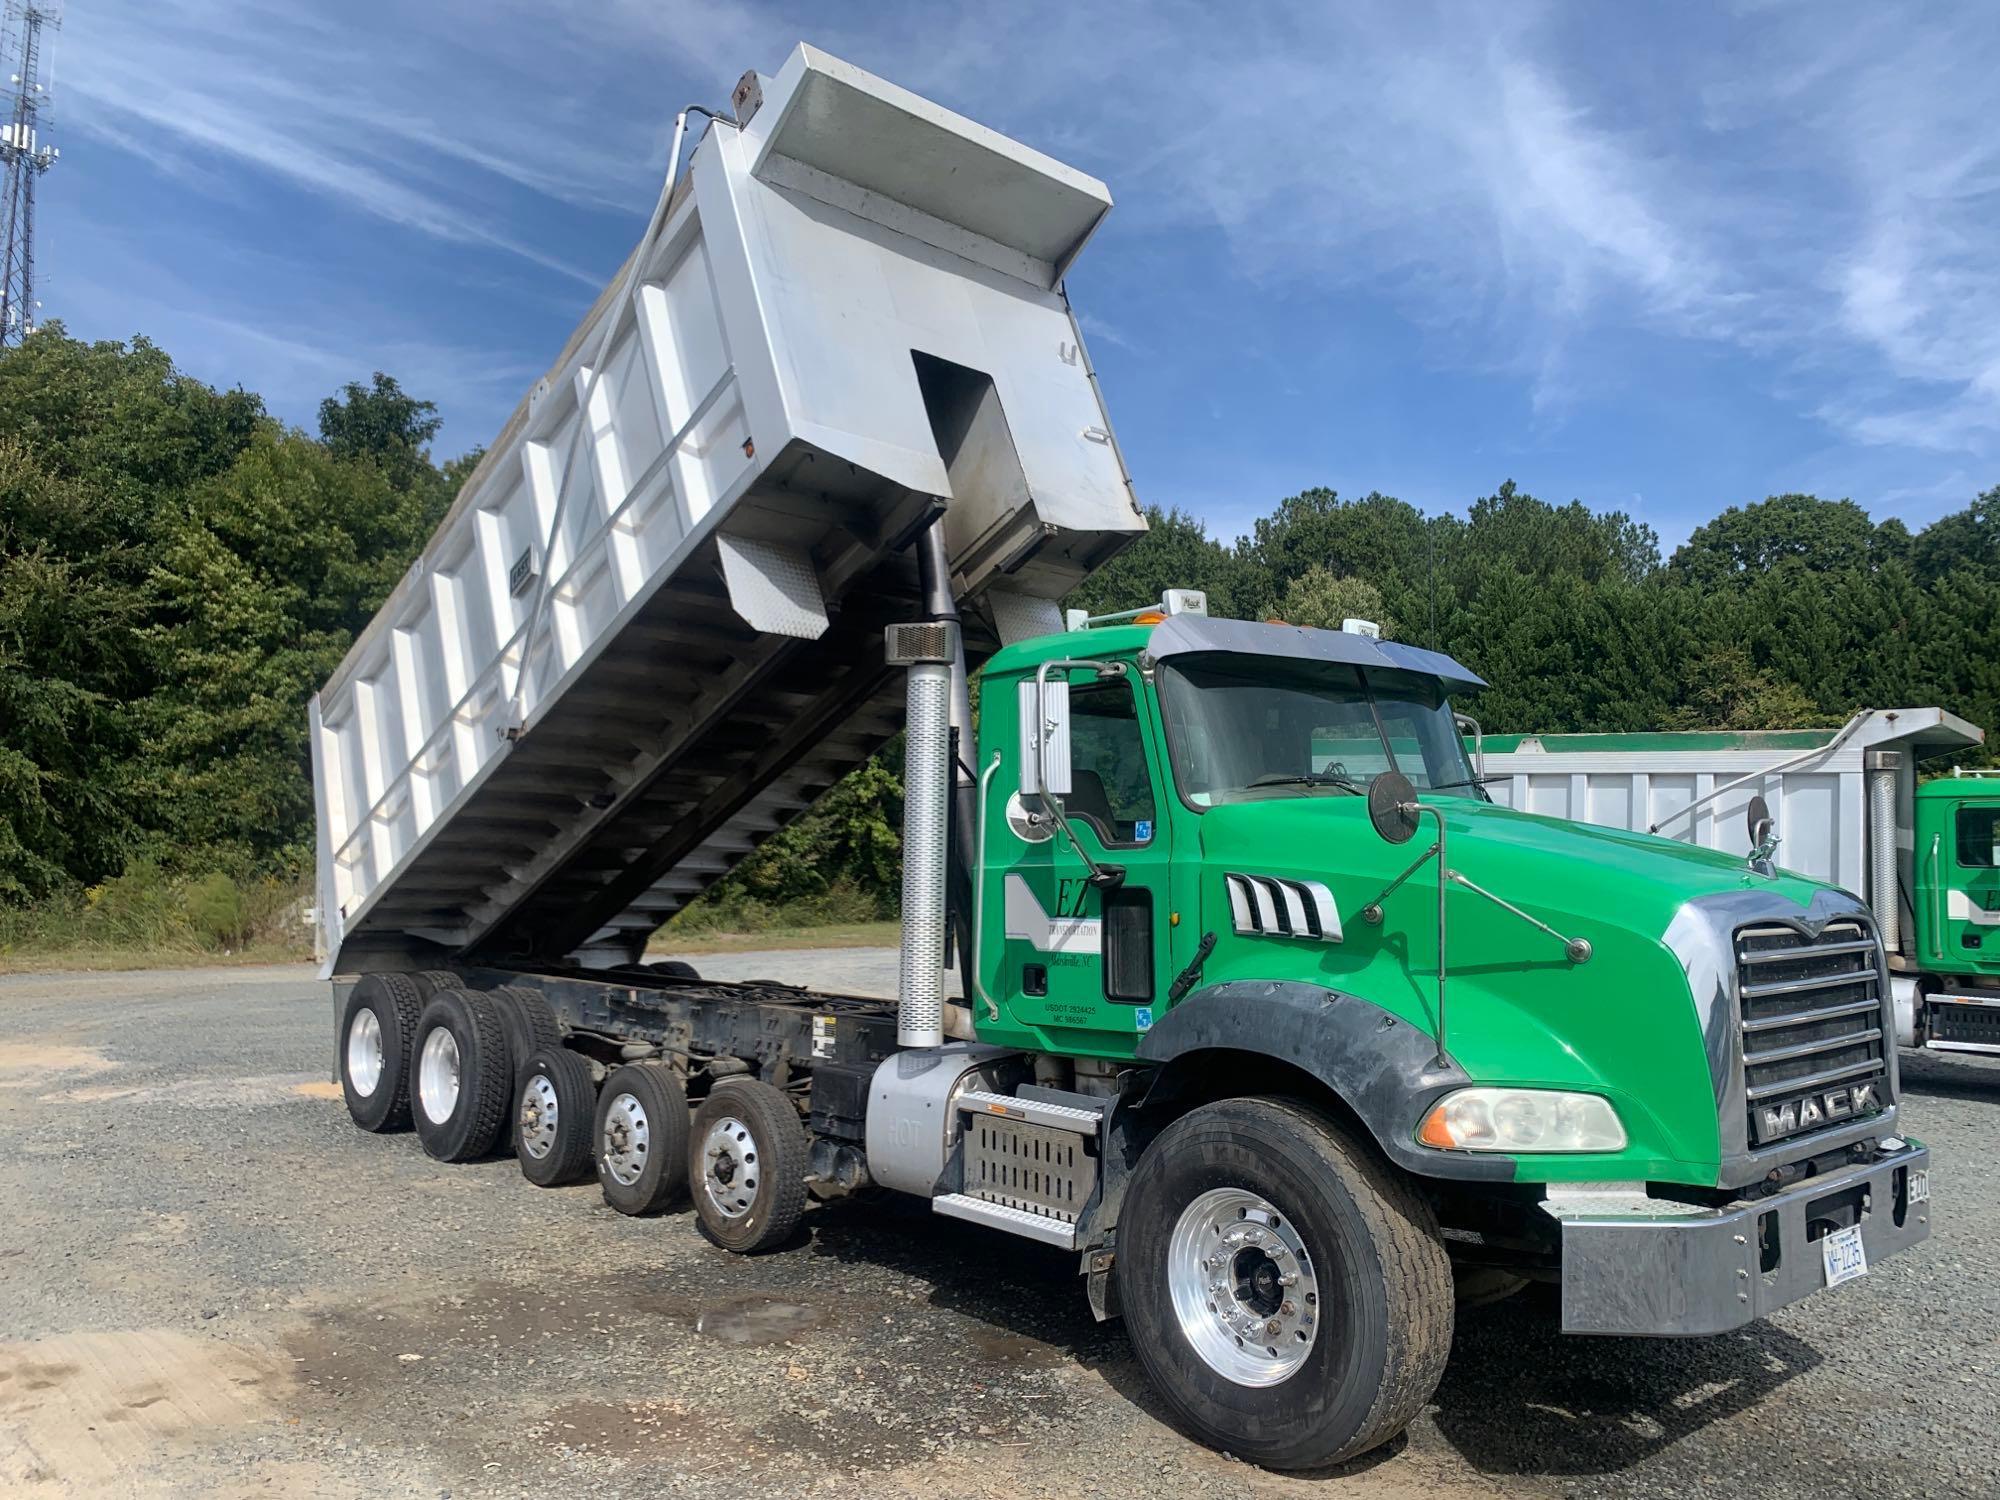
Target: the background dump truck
pixel 1846 807
pixel 1262 1013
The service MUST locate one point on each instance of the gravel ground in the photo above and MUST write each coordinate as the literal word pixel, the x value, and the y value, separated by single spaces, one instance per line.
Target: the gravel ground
pixel 213 1284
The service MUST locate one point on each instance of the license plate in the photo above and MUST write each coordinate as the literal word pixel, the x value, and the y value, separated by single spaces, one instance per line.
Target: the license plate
pixel 1845 1257
pixel 1920 1185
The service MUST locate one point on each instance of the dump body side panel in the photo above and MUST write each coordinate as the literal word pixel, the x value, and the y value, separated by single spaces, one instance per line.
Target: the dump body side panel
pixel 647 635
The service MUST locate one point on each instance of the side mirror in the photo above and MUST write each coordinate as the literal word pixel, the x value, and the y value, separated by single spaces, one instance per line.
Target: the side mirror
pixel 1761 823
pixel 1045 764
pixel 1392 807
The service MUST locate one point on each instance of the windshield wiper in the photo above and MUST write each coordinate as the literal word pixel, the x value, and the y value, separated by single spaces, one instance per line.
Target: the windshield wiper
pixel 1477 783
pixel 1310 778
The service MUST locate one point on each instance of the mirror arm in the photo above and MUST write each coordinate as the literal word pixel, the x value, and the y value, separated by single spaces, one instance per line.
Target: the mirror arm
pixel 1372 912
pixel 1577 950
pixel 1478 742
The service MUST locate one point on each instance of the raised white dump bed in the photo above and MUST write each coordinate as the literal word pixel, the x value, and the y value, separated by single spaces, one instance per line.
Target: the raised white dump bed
pixel 631 653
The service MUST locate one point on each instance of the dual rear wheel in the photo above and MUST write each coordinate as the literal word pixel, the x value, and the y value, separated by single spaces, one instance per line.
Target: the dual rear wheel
pixel 464 1065
pixel 742 1158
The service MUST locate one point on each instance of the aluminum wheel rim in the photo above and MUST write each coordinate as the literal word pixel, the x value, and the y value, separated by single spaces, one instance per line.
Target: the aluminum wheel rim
pixel 540 1114
pixel 437 1075
pixel 628 1139
pixel 364 1052
pixel 1243 1287
pixel 729 1170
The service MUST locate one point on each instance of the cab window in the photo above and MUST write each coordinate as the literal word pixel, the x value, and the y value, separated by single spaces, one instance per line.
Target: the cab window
pixel 1976 829
pixel 1110 789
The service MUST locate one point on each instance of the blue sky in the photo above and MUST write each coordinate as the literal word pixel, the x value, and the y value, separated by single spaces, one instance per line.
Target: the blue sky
pixel 1657 258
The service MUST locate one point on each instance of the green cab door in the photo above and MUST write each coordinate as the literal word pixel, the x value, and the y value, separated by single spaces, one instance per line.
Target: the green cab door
pixel 1085 961
pixel 1958 883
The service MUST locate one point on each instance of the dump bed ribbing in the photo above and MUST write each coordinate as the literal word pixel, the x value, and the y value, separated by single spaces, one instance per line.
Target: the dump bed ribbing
pixel 638 646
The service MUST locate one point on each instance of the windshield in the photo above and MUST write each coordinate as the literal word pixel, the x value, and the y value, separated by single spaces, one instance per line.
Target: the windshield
pixel 1246 727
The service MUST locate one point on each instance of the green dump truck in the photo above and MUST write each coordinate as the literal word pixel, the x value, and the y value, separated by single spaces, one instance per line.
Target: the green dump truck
pixel 1263 1015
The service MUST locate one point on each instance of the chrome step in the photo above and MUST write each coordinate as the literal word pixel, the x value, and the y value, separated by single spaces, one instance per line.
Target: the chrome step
pixel 1058 1232
pixel 1032 1111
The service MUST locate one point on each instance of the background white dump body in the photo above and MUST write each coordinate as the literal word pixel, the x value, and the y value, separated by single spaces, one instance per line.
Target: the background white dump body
pixel 606 680
pixel 1818 802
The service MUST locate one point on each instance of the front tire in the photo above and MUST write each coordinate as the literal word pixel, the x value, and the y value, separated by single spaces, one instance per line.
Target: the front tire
pixel 1287 1292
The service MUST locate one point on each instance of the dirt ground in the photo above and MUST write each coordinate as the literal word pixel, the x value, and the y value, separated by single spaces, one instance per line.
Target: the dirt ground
pixel 214 1285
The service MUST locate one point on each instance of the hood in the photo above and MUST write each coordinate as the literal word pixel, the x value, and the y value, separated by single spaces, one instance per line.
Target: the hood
pixel 1548 866
pixel 1623 1023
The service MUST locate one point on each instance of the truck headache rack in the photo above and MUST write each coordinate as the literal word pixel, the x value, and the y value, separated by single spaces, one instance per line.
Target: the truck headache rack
pixel 649 632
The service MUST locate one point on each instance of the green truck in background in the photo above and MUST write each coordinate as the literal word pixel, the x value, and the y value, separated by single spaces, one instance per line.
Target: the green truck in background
pixel 1956 913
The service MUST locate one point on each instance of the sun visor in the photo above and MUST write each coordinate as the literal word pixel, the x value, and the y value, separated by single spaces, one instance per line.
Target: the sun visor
pixel 1181 635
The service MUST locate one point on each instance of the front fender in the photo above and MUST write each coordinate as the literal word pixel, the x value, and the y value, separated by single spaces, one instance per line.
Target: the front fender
pixel 1379 1065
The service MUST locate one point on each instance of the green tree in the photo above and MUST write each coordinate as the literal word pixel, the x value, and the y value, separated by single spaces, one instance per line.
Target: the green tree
pixel 380 423
pixel 1968 539
pixel 1747 542
pixel 1176 552
pixel 1377 538
pixel 1319 598
pixel 100 445
pixel 260 590
pixel 1725 689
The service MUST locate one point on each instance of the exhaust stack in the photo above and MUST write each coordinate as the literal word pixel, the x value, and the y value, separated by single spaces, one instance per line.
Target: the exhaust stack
pixel 1883 770
pixel 932 652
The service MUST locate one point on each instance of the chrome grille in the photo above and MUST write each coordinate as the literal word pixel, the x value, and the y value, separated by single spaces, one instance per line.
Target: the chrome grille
pixel 1814 1053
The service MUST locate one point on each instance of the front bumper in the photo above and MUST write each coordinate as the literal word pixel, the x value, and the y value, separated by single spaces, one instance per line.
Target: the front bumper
pixel 1632 1265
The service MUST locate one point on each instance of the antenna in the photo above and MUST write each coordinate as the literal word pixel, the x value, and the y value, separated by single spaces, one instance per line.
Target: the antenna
pixel 25 158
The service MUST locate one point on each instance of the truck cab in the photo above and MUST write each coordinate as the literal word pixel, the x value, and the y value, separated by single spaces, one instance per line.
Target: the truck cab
pixel 1957 909
pixel 1659 1076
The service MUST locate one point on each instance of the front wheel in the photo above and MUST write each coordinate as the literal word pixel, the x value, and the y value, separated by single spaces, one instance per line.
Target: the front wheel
pixel 1285 1289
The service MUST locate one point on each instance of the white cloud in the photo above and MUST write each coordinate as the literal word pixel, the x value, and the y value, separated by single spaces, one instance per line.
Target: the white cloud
pixel 336 110
pixel 1815 187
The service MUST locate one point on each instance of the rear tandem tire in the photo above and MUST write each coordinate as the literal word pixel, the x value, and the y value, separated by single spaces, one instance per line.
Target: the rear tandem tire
pixel 462 1076
pixel 1239 1195
pixel 377 1026
pixel 639 1134
pixel 747 1158
pixel 554 1116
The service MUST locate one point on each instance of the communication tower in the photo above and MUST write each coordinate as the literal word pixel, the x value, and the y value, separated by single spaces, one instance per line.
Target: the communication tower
pixel 25 157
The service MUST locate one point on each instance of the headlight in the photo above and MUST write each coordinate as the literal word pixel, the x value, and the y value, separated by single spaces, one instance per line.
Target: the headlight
pixel 1522 1120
